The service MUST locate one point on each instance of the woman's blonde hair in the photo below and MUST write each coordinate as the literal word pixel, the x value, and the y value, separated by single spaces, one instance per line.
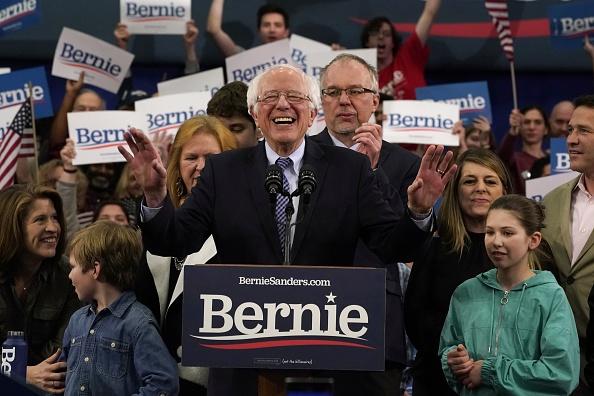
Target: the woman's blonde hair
pixel 194 126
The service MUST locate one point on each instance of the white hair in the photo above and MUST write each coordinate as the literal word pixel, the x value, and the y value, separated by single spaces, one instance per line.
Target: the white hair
pixel 311 84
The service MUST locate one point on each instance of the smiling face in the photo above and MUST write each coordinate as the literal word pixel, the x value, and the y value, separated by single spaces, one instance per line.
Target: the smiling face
pixel 42 230
pixel 193 157
pixel 283 122
pixel 580 141
pixel 273 28
pixel 507 242
pixel 345 114
pixel 479 186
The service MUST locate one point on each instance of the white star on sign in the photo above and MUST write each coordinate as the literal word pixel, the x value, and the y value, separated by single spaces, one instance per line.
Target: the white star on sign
pixel 331 298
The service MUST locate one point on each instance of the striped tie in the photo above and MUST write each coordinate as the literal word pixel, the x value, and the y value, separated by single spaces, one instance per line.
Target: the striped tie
pixel 282 201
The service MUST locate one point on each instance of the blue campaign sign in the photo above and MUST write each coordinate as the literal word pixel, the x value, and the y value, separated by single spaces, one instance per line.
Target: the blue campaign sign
pixel 17 15
pixel 13 90
pixel 559 156
pixel 284 317
pixel 570 22
pixel 473 98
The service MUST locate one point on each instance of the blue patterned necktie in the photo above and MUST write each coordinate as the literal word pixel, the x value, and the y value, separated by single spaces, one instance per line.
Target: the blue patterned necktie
pixel 282 201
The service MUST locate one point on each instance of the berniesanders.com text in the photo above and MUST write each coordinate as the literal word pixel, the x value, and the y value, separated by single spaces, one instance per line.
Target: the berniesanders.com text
pixel 274 281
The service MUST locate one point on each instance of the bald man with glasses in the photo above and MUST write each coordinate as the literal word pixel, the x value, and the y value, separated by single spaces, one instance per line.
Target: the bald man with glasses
pixel 349 98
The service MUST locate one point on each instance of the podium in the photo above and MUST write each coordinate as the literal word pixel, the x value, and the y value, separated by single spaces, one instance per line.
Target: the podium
pixel 284 321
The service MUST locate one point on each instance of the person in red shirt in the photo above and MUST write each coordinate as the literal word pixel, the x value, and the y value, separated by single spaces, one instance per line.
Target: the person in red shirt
pixel 401 64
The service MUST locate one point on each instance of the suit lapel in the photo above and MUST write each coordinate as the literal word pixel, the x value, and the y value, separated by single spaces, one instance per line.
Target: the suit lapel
pixel 255 166
pixel 314 156
pixel 324 137
pixel 565 222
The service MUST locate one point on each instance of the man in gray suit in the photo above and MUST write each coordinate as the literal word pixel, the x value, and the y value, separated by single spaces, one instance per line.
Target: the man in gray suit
pixel 570 217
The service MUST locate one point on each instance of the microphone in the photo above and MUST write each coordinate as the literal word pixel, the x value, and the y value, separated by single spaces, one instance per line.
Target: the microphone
pixel 273 183
pixel 307 182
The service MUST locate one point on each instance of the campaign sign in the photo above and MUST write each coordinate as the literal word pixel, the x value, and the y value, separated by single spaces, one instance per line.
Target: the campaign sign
pixel 17 15
pixel 97 135
pixel 570 22
pixel 472 98
pixel 167 113
pixel 246 65
pixel 210 80
pixel 301 47
pixel 14 90
pixel 559 156
pixel 105 65
pixel 538 188
pixel 284 317
pixel 155 16
pixel 420 122
pixel 318 60
pixel 6 116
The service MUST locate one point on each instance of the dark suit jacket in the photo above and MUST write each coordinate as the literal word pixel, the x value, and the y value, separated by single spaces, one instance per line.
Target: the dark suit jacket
pixel 230 203
pixel 397 169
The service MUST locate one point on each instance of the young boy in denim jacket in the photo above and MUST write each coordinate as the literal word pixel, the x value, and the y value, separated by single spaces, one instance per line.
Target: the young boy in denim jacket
pixel 112 346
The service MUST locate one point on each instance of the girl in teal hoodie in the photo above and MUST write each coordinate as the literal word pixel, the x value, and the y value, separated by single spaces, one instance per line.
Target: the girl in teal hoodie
pixel 510 330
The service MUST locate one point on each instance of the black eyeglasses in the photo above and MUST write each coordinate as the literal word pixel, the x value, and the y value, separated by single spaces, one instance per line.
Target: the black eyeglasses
pixel 272 97
pixel 351 92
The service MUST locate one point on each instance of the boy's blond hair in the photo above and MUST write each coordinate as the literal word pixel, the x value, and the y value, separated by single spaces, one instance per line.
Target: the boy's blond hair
pixel 117 248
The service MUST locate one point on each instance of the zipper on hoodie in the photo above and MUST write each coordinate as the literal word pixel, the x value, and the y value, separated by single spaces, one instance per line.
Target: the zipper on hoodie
pixel 504 300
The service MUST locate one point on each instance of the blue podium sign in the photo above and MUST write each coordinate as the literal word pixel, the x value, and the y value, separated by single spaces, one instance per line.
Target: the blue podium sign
pixel 284 317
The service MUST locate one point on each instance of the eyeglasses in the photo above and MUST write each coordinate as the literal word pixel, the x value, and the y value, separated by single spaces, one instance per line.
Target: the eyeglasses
pixel 272 97
pixel 381 33
pixel 354 92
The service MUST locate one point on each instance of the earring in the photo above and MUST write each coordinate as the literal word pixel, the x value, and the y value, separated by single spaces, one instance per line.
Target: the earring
pixel 180 188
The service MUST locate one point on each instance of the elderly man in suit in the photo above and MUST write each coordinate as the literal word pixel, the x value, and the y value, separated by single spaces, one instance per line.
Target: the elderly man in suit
pixel 230 202
pixel 349 98
pixel 570 217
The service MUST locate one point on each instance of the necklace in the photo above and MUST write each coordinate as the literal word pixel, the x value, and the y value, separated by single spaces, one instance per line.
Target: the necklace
pixel 178 262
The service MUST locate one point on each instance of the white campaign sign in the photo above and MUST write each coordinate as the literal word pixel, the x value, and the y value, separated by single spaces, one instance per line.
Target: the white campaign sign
pixel 210 80
pixel 105 65
pixel 97 135
pixel 167 113
pixel 538 188
pixel 6 116
pixel 301 47
pixel 420 122
pixel 246 65
pixel 155 16
pixel 316 61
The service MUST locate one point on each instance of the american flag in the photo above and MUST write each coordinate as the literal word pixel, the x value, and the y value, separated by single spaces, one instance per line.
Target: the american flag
pixel 498 11
pixel 17 143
